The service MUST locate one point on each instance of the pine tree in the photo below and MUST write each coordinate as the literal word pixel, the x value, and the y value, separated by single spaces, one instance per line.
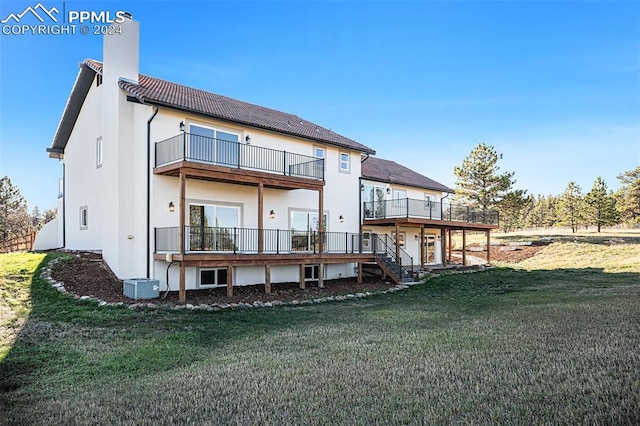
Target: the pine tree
pixel 628 197
pixel 571 206
pixel 14 217
pixel 600 206
pixel 478 182
pixel 514 208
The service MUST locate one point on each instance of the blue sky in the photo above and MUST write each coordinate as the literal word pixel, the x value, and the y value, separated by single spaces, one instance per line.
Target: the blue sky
pixel 554 86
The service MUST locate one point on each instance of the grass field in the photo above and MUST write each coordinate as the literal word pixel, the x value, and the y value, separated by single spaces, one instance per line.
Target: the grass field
pixel 554 340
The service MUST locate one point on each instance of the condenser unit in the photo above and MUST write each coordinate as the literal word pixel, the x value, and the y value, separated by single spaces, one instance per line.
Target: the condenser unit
pixel 141 288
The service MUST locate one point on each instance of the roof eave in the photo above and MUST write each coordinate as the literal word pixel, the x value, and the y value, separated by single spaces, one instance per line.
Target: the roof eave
pixel 71 111
pixel 257 126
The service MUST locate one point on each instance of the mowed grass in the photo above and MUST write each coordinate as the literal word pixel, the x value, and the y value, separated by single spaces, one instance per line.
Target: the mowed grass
pixel 538 344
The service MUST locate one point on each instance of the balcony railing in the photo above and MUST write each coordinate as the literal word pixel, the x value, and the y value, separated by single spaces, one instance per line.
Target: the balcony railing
pixel 219 152
pixel 407 207
pixel 245 241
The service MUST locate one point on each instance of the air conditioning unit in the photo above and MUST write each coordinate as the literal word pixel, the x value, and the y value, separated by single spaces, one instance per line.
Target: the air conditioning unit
pixel 141 288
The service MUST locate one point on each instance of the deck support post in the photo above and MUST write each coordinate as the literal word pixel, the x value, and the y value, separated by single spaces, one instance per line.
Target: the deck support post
pixel 229 281
pixel 450 241
pixel 488 246
pixel 302 282
pixel 443 246
pixel 267 279
pixel 359 272
pixel 260 217
pixel 320 219
pixel 397 242
pixel 321 275
pixel 422 249
pixel 182 293
pixel 464 247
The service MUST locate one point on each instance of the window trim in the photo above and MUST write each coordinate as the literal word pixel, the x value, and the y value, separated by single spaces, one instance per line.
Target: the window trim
pixel 83 218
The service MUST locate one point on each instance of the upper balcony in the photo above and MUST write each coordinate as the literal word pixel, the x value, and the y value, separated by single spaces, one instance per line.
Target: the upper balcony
pixel 230 161
pixel 428 212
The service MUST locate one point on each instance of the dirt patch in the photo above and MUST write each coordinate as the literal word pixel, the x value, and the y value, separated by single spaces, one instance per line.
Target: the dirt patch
pixel 506 253
pixel 87 275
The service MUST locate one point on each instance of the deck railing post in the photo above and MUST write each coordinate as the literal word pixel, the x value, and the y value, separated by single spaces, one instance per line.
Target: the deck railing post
pixel 184 146
pixel 284 163
pixel 235 239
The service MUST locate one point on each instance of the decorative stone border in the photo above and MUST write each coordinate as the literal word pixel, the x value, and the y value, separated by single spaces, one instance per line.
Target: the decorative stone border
pixel 45 274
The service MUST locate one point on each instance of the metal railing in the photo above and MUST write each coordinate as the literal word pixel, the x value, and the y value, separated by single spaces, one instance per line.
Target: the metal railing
pixel 407 207
pixel 219 152
pixel 247 241
pixel 384 244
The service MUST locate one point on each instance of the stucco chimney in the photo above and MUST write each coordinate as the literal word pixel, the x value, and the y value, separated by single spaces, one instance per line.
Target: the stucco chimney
pixel 121 50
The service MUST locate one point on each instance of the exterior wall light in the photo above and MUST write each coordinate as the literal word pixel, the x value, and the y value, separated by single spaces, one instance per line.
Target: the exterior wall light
pixel 247 139
pixel 388 190
pixel 272 214
pixel 182 126
pixel 172 208
pixel 341 219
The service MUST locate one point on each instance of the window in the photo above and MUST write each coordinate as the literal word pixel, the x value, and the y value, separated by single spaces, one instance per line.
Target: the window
pixel 99 152
pixel 345 160
pixel 401 238
pixel 374 203
pixel 429 200
pixel 399 202
pixel 213 145
pixel 212 277
pixel 213 227
pixel 304 230
pixel 84 218
pixel 319 166
pixel 311 272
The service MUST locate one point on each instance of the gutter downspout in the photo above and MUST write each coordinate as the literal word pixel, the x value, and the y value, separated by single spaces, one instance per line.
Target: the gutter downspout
pixel 155 112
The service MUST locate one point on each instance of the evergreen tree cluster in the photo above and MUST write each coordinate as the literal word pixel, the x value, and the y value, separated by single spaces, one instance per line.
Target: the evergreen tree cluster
pixel 15 219
pixel 480 184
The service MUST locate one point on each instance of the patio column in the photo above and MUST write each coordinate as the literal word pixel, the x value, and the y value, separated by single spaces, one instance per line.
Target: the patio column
pixel 464 247
pixel 260 217
pixel 182 293
pixel 359 272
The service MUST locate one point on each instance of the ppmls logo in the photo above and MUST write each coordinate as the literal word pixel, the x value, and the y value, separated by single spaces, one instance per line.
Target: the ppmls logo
pixel 68 22
pixel 33 11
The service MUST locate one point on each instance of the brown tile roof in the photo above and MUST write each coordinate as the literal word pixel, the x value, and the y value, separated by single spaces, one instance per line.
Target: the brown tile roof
pixel 391 172
pixel 165 93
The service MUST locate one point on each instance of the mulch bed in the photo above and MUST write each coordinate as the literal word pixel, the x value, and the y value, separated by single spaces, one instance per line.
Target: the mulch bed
pixel 87 275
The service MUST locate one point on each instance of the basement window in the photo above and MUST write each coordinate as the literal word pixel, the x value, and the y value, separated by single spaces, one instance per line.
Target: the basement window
pixel 311 272
pixel 84 218
pixel 212 277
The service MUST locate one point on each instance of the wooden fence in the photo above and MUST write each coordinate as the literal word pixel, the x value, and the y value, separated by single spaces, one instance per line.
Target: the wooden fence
pixel 22 243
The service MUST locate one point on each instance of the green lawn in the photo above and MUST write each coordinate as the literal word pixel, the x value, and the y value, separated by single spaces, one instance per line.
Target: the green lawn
pixel 552 341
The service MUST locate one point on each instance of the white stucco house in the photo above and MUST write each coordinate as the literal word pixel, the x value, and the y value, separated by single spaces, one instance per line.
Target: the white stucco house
pixel 157 174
